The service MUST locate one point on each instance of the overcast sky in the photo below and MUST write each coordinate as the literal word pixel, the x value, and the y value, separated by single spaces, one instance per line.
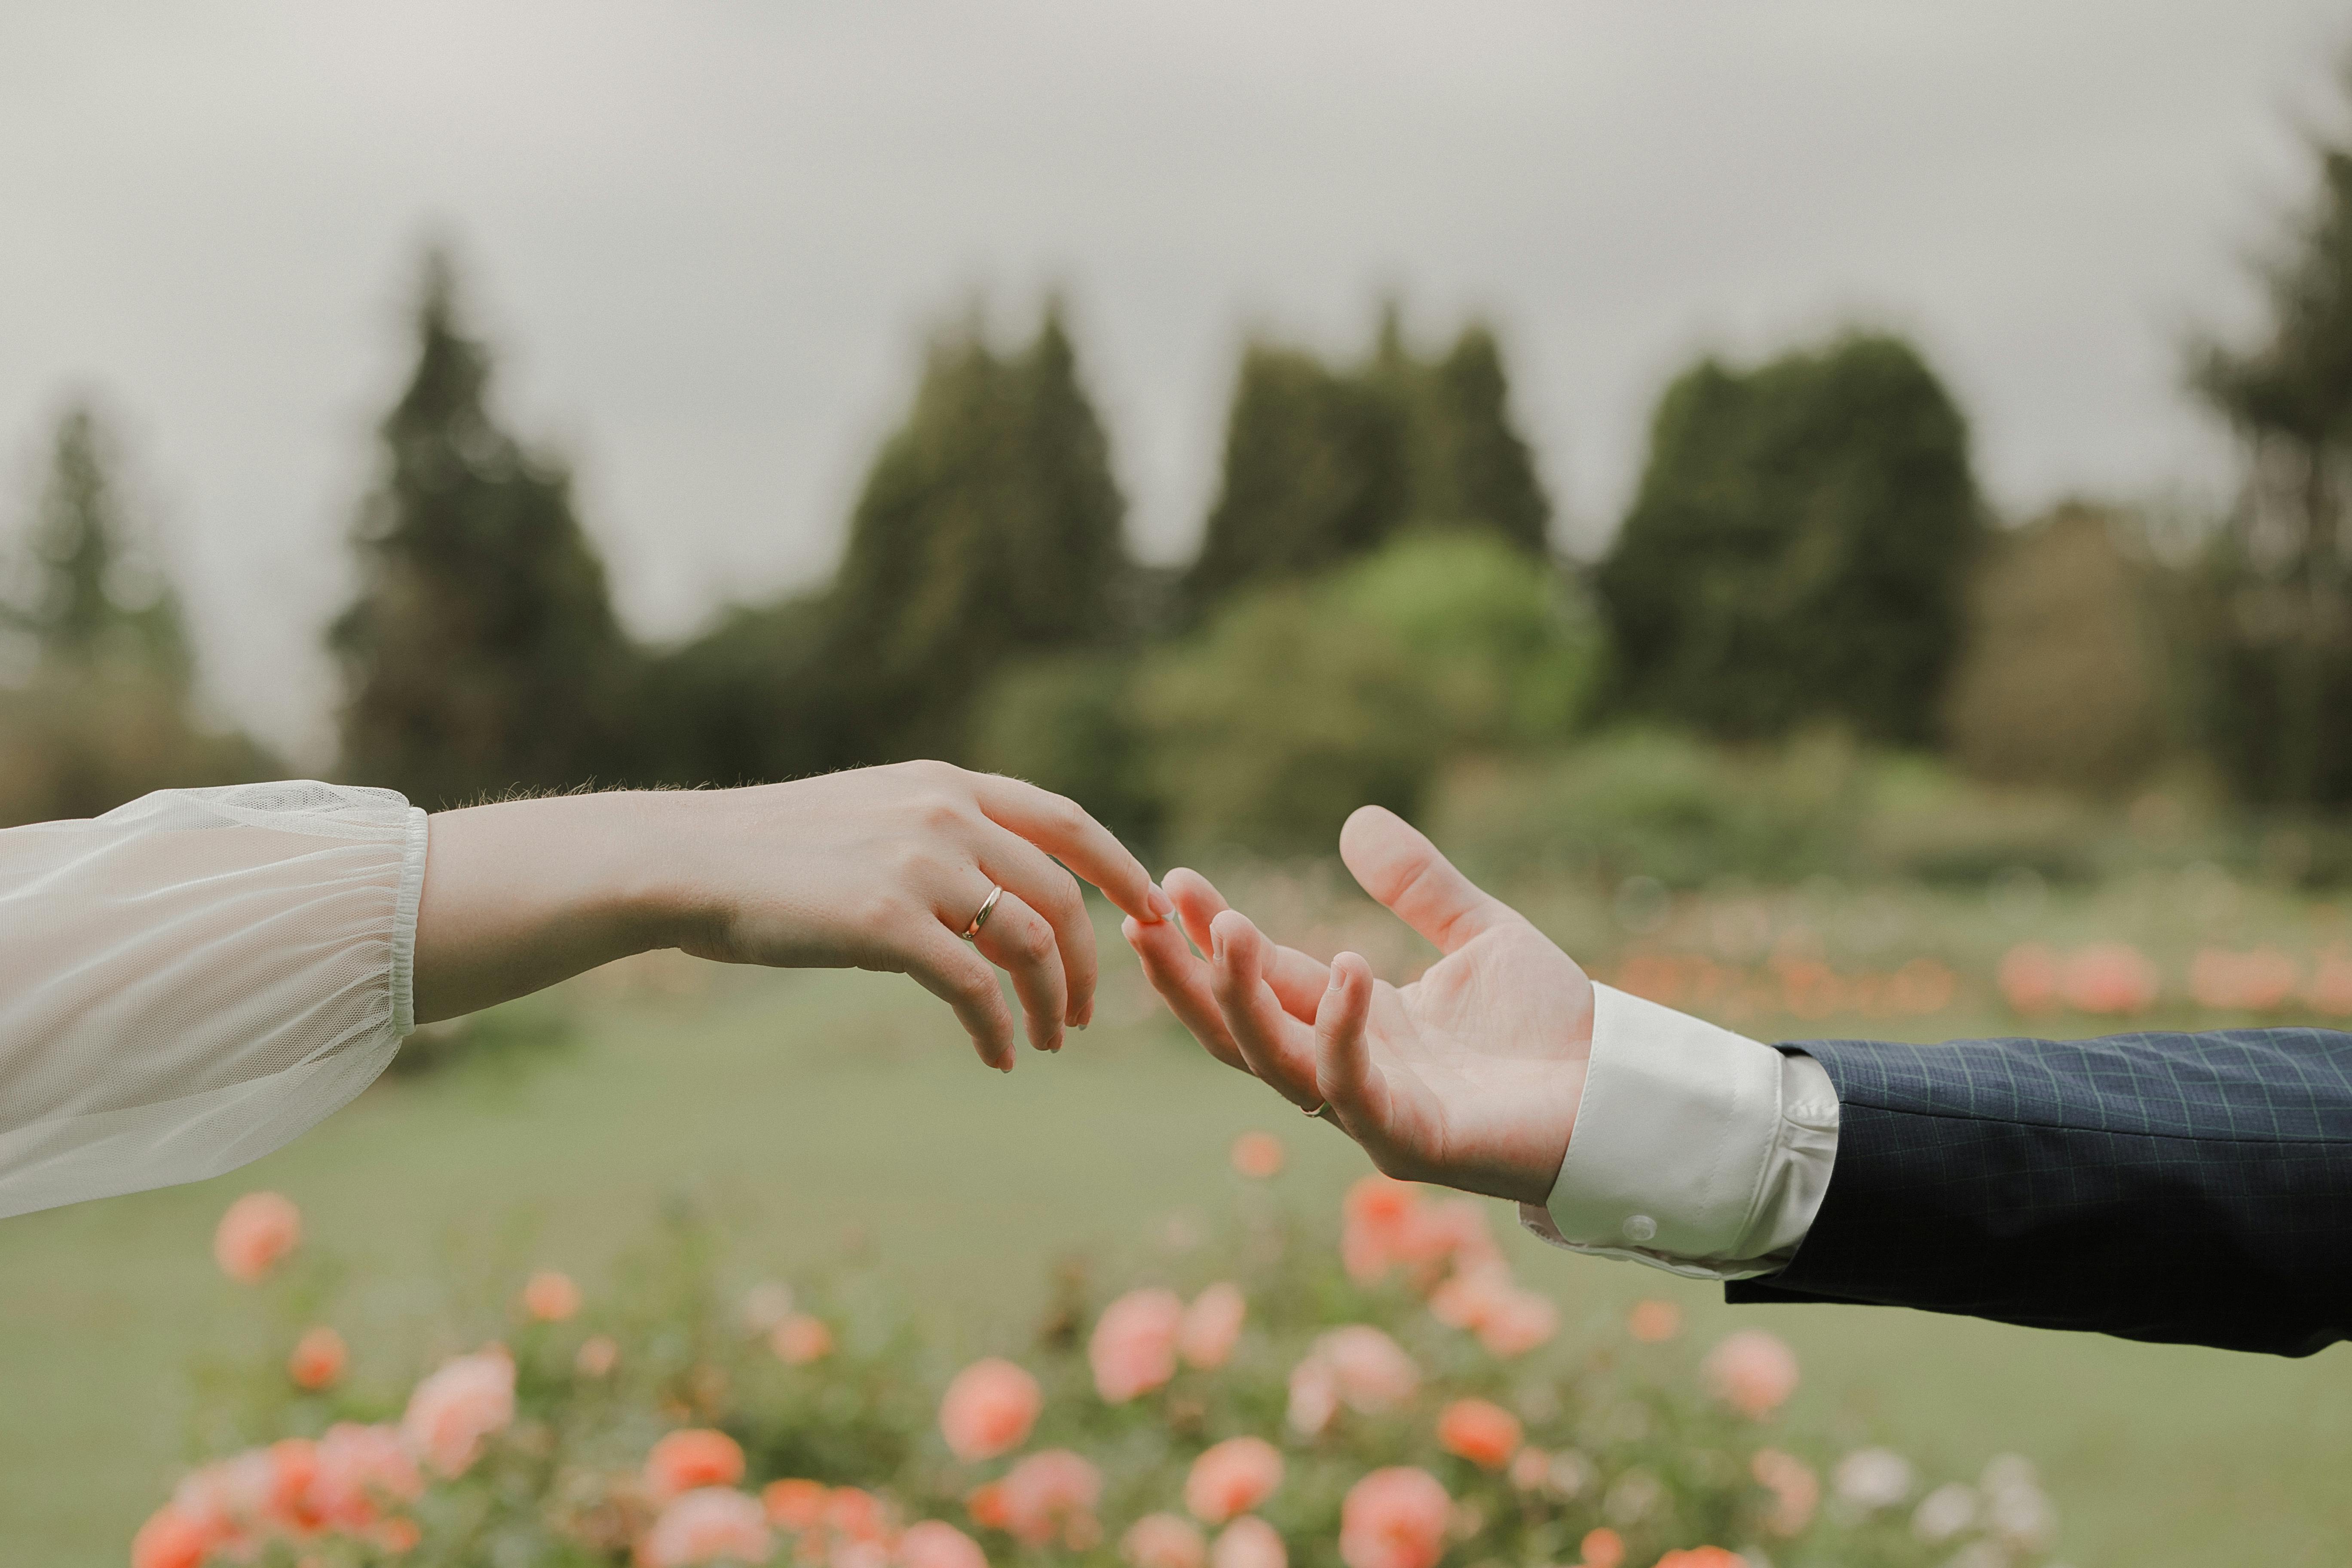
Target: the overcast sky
pixel 708 238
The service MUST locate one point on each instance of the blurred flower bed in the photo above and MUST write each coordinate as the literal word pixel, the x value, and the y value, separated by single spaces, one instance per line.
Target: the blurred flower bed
pixel 1396 1399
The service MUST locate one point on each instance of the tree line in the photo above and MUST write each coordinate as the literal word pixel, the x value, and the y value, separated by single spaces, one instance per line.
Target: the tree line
pixel 1375 587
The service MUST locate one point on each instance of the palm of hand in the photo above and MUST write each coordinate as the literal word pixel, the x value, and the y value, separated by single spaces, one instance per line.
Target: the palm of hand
pixel 1485 1058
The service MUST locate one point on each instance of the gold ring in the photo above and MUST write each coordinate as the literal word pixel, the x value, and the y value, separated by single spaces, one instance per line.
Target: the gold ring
pixel 1317 1109
pixel 971 931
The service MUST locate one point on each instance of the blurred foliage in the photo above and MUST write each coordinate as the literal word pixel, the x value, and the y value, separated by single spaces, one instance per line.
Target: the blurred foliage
pixel 1065 723
pixel 1687 812
pixel 1619 1441
pixel 1298 702
pixel 482 654
pixel 2274 597
pixel 1321 464
pixel 2064 679
pixel 1800 547
pixel 104 710
pixel 988 528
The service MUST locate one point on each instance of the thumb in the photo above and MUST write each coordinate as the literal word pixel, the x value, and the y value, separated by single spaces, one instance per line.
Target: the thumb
pixel 1396 863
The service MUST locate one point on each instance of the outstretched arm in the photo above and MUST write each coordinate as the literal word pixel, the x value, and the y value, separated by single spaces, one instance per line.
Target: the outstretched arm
pixel 193 979
pixel 876 868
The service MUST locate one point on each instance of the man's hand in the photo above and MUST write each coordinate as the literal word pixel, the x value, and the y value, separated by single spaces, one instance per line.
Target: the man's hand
pixel 1470 1075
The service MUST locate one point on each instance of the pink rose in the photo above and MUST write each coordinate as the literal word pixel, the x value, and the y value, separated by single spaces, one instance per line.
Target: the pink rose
pixel 1212 1325
pixel 1314 1395
pixel 1518 1322
pixel 989 1409
pixel 1259 1155
pixel 934 1545
pixel 1796 1491
pixel 711 1525
pixel 466 1399
pixel 1654 1323
pixel 2111 977
pixel 259 1230
pixel 801 1339
pixel 550 1296
pixel 1233 1477
pixel 1374 1219
pixel 1752 1370
pixel 2031 978
pixel 690 1461
pixel 1048 1494
pixel 1248 1542
pixel 1163 1540
pixel 1394 1518
pixel 599 1355
pixel 1133 1350
pixel 361 1472
pixel 1373 1372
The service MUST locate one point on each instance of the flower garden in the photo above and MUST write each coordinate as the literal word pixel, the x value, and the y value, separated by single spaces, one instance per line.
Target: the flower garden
pixel 1388 1396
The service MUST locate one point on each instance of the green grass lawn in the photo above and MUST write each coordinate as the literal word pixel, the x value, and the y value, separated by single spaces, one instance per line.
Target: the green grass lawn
pixel 843 1112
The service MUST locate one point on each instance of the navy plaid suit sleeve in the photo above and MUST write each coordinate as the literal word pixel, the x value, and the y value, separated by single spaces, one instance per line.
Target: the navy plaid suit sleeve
pixel 2194 1188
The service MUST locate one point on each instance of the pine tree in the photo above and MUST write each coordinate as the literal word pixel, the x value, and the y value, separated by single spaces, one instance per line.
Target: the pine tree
pixel 1316 469
pixel 1482 470
pixel 989 528
pixel 1324 464
pixel 106 712
pixel 2273 605
pixel 97 601
pixel 1799 548
pixel 482 654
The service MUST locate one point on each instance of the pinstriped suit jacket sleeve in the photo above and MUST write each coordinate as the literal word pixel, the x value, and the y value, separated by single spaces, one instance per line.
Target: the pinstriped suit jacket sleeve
pixel 2194 1188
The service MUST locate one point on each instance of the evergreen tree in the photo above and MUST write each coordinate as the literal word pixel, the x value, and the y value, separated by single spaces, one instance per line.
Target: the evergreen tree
pixel 97 600
pixel 482 654
pixel 1799 548
pixel 1323 463
pixel 2273 605
pixel 1482 469
pixel 1316 469
pixel 990 527
pixel 106 712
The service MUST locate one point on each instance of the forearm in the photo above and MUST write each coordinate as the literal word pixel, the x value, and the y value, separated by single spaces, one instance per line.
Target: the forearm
pixel 2192 1188
pixel 525 893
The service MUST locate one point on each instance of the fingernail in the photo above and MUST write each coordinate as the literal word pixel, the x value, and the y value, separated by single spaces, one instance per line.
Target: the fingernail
pixel 1161 904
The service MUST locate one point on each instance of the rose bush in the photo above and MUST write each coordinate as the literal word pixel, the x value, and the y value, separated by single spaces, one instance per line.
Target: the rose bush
pixel 1282 1398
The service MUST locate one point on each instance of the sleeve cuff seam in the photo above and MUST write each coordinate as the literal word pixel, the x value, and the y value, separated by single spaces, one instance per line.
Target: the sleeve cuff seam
pixel 404 926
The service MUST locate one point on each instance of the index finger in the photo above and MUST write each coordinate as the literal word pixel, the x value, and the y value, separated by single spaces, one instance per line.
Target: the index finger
pixel 1062 828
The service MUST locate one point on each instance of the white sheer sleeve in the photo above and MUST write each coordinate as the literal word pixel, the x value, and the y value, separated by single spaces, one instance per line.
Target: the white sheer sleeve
pixel 191 980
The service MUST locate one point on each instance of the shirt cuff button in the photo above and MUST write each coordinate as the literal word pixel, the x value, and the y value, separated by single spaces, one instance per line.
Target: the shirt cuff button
pixel 1640 1227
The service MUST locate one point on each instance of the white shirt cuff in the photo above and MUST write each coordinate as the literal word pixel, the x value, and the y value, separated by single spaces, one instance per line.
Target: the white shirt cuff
pixel 1695 1150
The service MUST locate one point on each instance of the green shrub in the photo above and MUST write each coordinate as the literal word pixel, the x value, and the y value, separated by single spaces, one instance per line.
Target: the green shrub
pixel 1299 704
pixel 1064 722
pixel 2064 679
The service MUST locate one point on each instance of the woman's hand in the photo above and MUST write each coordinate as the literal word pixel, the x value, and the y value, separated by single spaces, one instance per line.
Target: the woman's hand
pixel 1470 1075
pixel 878 868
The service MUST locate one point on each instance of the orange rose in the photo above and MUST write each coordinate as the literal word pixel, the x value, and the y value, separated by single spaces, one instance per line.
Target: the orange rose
pixel 1479 1431
pixel 317 1360
pixel 695 1456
